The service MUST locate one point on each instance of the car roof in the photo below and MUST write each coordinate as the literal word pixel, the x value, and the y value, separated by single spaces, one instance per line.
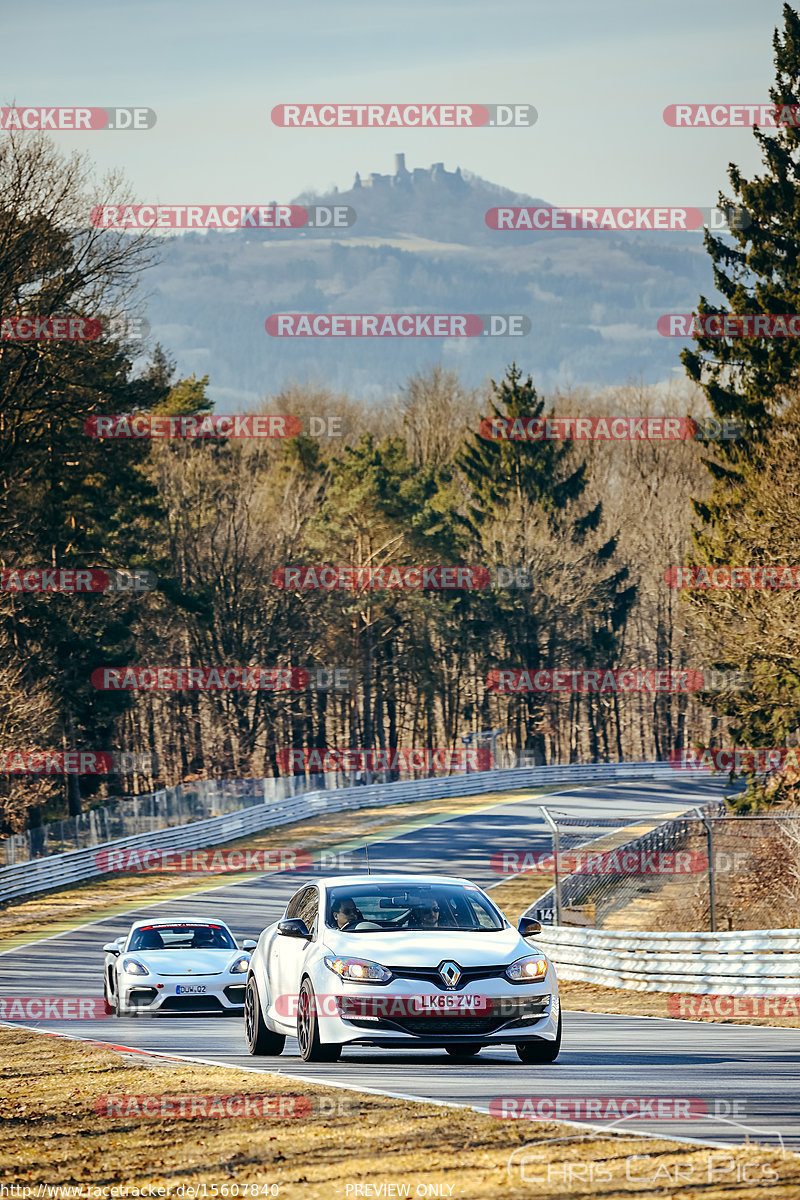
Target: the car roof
pixel 330 881
pixel 152 922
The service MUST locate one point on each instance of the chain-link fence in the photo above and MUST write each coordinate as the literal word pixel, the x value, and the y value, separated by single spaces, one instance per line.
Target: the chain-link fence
pixel 180 805
pixel 707 870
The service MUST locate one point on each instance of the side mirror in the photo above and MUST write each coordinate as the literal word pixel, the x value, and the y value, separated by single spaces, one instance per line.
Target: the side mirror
pixel 295 928
pixel 249 944
pixel 112 948
pixel 529 927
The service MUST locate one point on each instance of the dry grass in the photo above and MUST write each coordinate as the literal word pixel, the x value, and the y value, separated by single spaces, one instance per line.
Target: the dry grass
pixel 592 997
pixel 51 1134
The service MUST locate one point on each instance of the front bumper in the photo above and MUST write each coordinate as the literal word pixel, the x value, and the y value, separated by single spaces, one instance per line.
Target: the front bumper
pixel 221 994
pixel 387 1016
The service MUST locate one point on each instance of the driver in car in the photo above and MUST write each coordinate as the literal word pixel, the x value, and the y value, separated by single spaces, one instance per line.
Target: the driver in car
pixel 425 916
pixel 345 912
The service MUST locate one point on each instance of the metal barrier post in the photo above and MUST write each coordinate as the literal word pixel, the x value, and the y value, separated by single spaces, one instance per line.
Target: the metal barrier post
pixel 712 911
pixel 556 852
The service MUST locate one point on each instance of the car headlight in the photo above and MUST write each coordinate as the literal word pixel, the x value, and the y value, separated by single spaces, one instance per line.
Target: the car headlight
pixel 240 965
pixel 527 970
pixel 133 967
pixel 358 970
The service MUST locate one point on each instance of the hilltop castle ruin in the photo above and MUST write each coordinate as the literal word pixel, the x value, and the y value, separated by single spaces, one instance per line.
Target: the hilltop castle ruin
pixel 402 177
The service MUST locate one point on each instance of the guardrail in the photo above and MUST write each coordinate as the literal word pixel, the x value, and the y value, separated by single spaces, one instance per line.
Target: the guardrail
pixel 59 870
pixel 755 962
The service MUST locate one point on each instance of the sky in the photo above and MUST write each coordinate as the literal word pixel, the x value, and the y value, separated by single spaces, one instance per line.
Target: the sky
pixel 599 76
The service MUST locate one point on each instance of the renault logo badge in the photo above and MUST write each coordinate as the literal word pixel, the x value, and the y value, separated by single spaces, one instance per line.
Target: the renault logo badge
pixel 449 974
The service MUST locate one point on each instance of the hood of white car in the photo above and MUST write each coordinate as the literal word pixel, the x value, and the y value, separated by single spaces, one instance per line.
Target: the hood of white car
pixel 425 948
pixel 185 962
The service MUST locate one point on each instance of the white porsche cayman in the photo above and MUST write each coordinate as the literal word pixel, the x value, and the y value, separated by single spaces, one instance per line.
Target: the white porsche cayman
pixel 397 960
pixel 176 966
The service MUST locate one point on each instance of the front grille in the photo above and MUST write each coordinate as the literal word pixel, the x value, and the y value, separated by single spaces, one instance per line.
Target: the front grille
pixel 191 1004
pixel 431 1026
pixel 431 975
pixel 235 992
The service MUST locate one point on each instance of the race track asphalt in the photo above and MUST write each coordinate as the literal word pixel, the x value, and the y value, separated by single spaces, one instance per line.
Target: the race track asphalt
pixel 746 1079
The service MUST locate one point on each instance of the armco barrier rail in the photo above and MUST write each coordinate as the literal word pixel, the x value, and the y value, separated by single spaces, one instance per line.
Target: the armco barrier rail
pixel 56 870
pixel 757 962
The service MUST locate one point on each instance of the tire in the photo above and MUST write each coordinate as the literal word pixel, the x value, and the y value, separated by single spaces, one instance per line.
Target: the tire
pixel 311 1049
pixel 469 1050
pixel 260 1039
pixel 540 1052
pixel 117 1006
pixel 107 996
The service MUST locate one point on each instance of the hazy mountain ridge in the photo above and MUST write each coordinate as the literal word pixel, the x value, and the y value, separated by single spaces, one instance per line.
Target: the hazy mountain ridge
pixel 423 245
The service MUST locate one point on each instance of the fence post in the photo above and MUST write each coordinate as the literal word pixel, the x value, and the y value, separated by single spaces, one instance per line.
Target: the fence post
pixel 556 852
pixel 712 911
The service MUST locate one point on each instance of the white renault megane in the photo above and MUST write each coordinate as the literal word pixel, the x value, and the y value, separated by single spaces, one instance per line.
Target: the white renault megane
pixel 176 966
pixel 397 960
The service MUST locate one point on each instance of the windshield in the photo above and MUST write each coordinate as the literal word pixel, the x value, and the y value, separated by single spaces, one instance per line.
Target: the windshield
pixel 390 907
pixel 182 937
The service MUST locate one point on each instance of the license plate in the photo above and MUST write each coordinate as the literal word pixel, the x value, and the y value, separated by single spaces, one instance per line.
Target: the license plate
pixel 447 1003
pixel 190 989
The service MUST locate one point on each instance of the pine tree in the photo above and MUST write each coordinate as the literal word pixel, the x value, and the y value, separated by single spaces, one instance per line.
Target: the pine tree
pixel 754 381
pixel 527 510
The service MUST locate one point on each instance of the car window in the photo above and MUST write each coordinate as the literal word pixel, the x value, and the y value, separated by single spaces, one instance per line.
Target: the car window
pixel 304 905
pixel 415 905
pixel 182 936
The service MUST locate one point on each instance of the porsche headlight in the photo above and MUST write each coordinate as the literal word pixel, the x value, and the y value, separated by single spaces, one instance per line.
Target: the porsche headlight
pixel 240 965
pixel 133 967
pixel 527 970
pixel 358 970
